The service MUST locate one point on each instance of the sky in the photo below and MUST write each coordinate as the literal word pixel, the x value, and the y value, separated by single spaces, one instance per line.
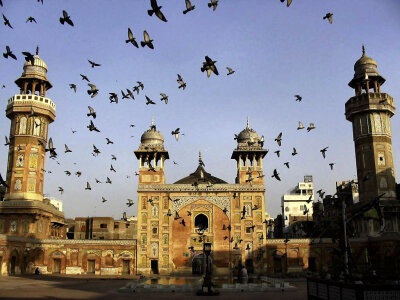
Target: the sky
pixel 276 51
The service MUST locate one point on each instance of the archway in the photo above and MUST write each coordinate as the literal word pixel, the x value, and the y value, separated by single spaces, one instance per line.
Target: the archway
pixel 201 222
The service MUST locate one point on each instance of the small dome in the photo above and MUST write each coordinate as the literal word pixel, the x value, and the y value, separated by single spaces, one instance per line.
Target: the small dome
pixel 152 137
pixel 38 62
pixel 248 135
pixel 200 176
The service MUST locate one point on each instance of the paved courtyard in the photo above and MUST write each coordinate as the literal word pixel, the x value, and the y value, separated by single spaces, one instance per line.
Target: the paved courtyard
pixel 82 287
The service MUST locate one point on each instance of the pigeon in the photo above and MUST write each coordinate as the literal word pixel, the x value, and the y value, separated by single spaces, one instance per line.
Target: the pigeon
pixel 2 182
pixel 176 133
pixel 92 127
pixel 310 127
pixel 189 213
pixel 113 98
pixel 309 199
pixel 30 20
pixel 93 64
pixel 329 17
pixel 78 173
pixel 323 151
pixel 175 163
pixel 225 210
pixel 130 94
pixel 279 139
pixel 103 199
pixel 67 149
pixel 51 149
pixel 66 19
pixel 182 222
pixel 261 141
pixel 91 112
pixel 182 84
pixel 209 66
pixel 147 41
pixel 124 96
pixel 230 71
pixel 278 152
pixel 96 150
pixel 136 88
pixel 298 98
pixel 29 57
pixel 140 84
pixel 214 4
pixel 189 7
pixel 301 126
pixel 286 164
pixel 93 90
pixel 73 131
pixel 131 39
pixel 294 152
pixel 61 190
pixel 108 180
pixel 68 173
pixel 7 141
pixel 130 202
pixel 72 86
pixel 306 210
pixel 169 213
pixel 276 175
pixel 112 169
pixel 164 98
pixel 1 3
pixel 9 53
pixel 97 181
pixel 260 174
pixel 109 141
pixel 149 101
pixel 84 78
pixel 243 213
pixel 331 165
pixel 88 186
pixel 6 21
pixel 155 9
pixel 132 125
pixel 287 3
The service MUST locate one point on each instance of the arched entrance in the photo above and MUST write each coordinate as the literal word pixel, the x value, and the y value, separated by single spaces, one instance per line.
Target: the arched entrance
pixel 201 222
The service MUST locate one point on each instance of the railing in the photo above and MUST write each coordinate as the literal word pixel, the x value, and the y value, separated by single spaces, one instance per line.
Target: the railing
pixel 31 97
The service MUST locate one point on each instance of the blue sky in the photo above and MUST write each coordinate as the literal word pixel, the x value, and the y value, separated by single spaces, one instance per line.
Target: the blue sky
pixel 277 52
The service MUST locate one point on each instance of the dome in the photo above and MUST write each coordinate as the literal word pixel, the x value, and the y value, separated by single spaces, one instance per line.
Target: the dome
pixel 248 135
pixel 200 176
pixel 38 62
pixel 152 137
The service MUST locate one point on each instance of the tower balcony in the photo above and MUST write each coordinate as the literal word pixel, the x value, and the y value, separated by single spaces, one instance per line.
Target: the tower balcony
pixel 22 103
pixel 368 102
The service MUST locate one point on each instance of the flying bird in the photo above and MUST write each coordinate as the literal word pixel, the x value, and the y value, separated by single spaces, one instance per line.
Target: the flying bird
pixel 176 133
pixel 214 4
pixel 108 180
pixel 286 164
pixel 92 127
pixel 230 71
pixel 310 127
pixel 85 78
pixel 130 202
pixel 30 20
pixel 298 98
pixel 130 94
pixel 323 151
pixel 328 16
pixel 279 139
pixel 113 98
pixel 112 169
pixel 182 222
pixel 88 186
pixel 91 112
pixel 331 165
pixel 78 173
pixel 140 84
pixel 164 98
pixel 278 152
pixel 182 84
pixel 7 141
pixel 149 101
pixel 109 141
pixel 6 21
pixel 2 182
pixel 131 39
pixel 96 150
pixel 97 181
pixel 294 152
pixel 51 149
pixel 243 212
pixel 103 199
pixel 209 66
pixel 155 9
pixel 72 86
pixel 93 90
pixel 9 53
pixel 136 88
pixel 67 149
pixel 147 41
pixel 287 3
pixel 73 131
pixel 29 57
pixel 189 7
pixel 301 126
pixel 276 175
pixel 68 173
pixel 93 64
pixel 66 19
pixel 61 190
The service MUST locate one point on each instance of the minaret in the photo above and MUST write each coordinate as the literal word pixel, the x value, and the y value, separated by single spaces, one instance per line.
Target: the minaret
pixel 151 155
pixel 30 113
pixel 248 155
pixel 370 111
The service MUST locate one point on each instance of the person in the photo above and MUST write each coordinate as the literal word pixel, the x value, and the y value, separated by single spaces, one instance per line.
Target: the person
pixel 37 271
pixel 244 277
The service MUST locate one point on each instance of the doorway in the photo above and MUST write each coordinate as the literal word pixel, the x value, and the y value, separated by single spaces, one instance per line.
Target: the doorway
pixel 277 264
pixel 312 265
pixel 13 263
pixel 154 266
pixel 249 266
pixel 56 266
pixel 91 266
pixel 197 265
pixel 126 267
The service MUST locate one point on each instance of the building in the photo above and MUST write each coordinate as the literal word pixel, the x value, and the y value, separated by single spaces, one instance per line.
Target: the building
pixel 175 220
pixel 32 227
pixel 297 204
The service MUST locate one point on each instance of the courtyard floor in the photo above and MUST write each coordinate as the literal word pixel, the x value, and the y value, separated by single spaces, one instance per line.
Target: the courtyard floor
pixel 102 287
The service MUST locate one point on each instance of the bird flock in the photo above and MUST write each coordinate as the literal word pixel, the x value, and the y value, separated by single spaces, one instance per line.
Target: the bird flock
pixel 209 66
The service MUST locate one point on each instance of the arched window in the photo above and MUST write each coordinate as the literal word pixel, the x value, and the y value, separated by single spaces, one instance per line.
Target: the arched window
pixel 201 222
pixel 22 126
pixel 36 127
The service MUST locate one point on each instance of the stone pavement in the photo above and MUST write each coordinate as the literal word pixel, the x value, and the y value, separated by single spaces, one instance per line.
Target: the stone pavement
pixel 103 287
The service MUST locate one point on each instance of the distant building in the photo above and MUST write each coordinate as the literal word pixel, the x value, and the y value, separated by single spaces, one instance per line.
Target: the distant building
pixel 298 201
pixel 56 202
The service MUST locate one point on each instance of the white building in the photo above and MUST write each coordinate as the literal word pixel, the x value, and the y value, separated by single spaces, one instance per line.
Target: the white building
pixel 297 204
pixel 56 202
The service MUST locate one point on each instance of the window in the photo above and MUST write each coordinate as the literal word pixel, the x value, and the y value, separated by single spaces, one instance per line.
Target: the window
pixel 116 226
pixel 103 225
pixel 249 230
pixel 101 237
pixel 155 230
pixel 127 225
pixel 201 221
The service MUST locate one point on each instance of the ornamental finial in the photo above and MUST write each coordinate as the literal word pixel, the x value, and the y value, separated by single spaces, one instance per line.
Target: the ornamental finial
pixel 363 49
pixel 248 123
